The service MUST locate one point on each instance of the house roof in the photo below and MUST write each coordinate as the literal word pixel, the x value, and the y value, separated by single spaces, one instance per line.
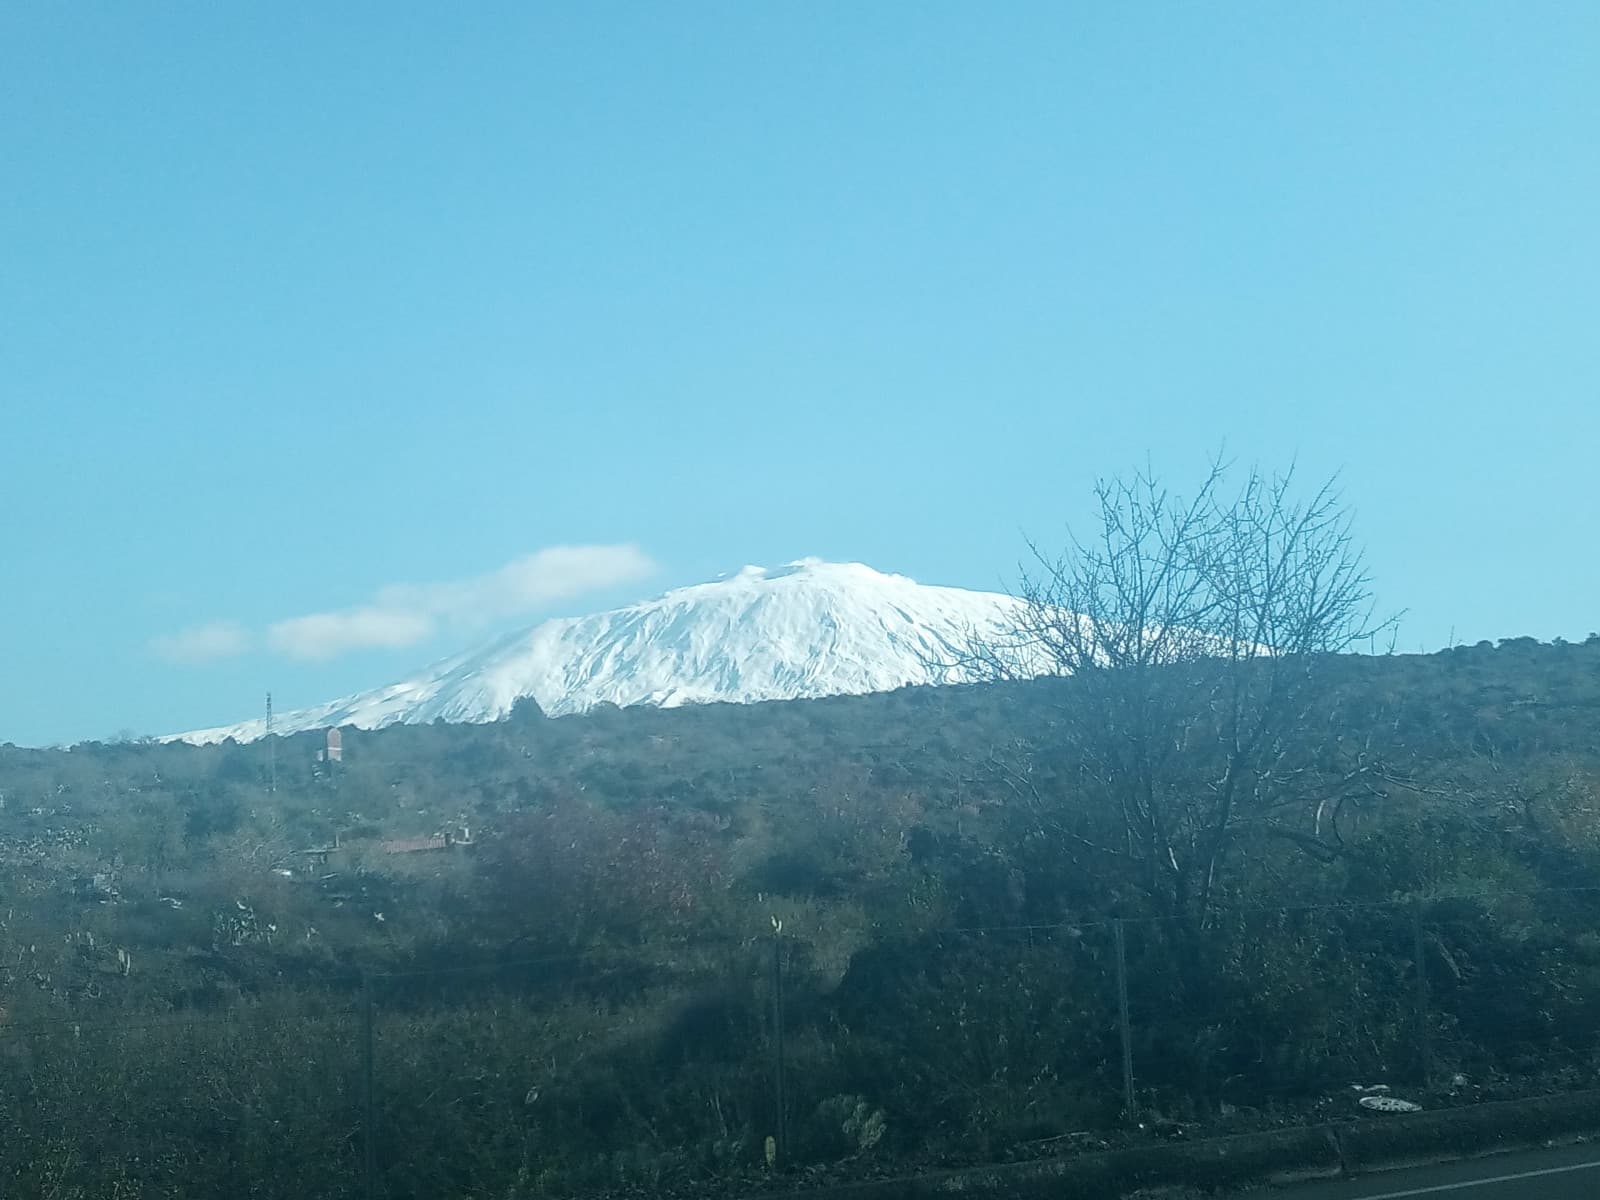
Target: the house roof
pixel 414 845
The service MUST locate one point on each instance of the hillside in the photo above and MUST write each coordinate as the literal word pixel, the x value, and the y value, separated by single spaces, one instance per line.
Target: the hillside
pixel 599 934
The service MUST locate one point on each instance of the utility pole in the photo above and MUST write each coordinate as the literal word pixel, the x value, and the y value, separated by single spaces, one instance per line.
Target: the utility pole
pixel 1129 1103
pixel 369 1112
pixel 779 1070
pixel 272 753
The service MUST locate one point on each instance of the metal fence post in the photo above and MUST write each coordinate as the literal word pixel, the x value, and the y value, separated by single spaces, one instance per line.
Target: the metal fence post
pixel 1419 958
pixel 779 1079
pixel 1123 1021
pixel 369 1118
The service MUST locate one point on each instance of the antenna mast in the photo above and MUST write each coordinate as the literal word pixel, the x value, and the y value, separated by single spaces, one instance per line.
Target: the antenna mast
pixel 272 752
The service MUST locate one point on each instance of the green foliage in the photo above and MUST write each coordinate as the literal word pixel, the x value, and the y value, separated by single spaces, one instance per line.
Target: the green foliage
pixel 580 999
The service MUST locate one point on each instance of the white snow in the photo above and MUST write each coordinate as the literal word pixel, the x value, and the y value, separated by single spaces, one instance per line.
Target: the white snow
pixel 807 629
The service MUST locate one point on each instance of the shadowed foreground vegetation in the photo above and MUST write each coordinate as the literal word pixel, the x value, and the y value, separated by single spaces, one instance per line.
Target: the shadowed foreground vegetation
pixel 581 1000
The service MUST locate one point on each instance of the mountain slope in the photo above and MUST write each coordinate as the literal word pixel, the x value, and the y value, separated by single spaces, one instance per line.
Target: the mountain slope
pixel 808 629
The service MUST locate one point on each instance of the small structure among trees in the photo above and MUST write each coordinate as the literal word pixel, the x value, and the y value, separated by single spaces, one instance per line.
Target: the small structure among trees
pixel 444 840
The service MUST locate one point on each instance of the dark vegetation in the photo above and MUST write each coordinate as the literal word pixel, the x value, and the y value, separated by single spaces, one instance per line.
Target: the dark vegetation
pixel 581 999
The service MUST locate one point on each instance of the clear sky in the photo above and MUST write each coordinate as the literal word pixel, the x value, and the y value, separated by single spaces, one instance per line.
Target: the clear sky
pixel 301 304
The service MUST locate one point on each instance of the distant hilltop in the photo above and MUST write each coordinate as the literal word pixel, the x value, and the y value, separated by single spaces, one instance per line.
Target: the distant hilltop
pixel 808 629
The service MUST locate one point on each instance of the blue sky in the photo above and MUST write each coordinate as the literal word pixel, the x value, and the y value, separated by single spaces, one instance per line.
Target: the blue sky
pixel 303 304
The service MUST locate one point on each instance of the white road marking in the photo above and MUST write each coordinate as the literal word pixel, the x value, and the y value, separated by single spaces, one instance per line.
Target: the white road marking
pixel 1472 1183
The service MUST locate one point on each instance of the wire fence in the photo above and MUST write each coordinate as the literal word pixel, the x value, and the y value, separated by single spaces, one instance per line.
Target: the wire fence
pixel 736 1065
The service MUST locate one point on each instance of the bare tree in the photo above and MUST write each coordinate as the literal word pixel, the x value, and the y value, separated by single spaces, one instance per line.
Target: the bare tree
pixel 1194 632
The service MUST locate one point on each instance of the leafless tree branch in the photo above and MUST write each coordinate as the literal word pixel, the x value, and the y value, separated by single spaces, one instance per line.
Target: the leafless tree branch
pixel 1195 633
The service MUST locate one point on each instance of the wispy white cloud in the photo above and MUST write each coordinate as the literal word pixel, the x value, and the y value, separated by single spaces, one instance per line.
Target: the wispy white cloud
pixel 330 634
pixel 203 643
pixel 522 585
pixel 404 614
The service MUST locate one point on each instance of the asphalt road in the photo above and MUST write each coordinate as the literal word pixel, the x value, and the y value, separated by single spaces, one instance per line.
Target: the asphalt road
pixel 1568 1173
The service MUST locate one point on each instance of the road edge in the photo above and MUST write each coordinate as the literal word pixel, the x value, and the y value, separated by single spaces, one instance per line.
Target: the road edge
pixel 1326 1151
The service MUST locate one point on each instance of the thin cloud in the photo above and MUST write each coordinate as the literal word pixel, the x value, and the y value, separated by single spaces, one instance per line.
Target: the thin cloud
pixel 522 585
pixel 328 635
pixel 404 614
pixel 203 643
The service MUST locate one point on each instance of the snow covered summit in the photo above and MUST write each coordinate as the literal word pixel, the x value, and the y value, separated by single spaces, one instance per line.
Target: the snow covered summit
pixel 808 629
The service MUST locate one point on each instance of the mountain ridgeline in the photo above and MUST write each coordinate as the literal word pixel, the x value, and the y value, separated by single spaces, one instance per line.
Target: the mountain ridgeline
pixel 809 629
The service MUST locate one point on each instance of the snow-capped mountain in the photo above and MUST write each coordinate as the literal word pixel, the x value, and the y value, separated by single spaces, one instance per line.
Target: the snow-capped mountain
pixel 808 629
